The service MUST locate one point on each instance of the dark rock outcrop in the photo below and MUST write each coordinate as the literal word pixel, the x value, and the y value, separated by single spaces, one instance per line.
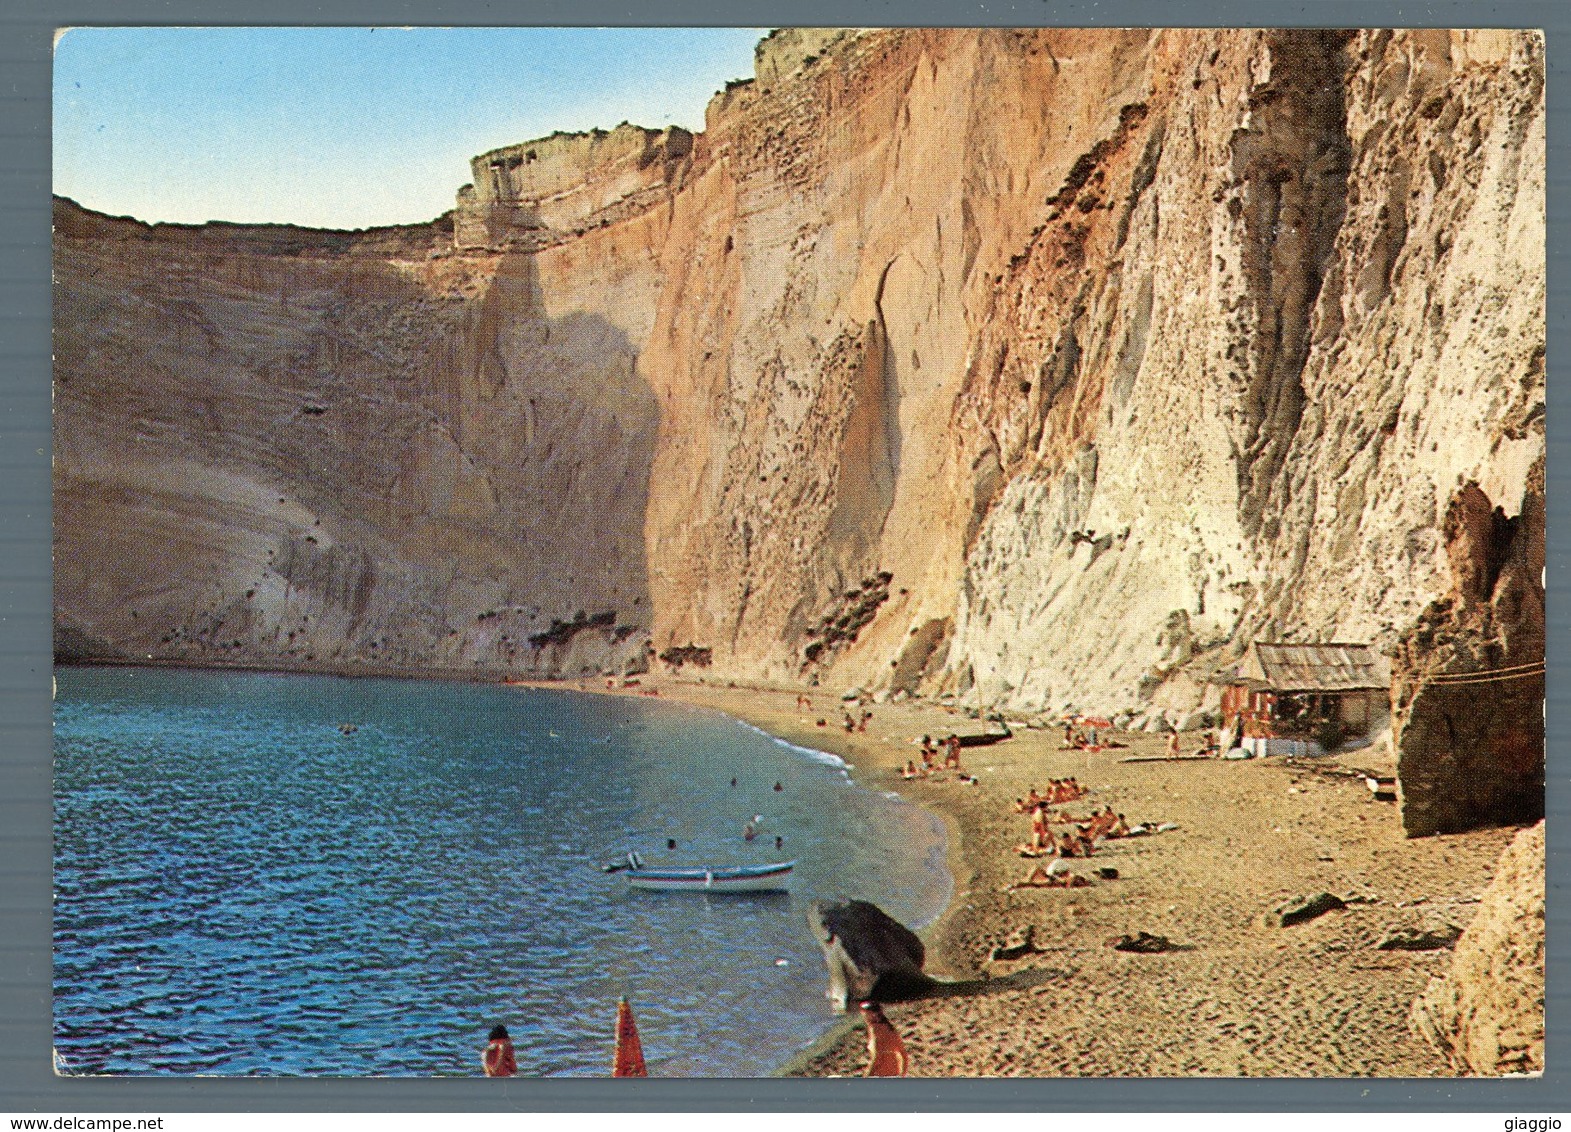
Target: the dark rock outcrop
pixel 1468 680
pixel 869 953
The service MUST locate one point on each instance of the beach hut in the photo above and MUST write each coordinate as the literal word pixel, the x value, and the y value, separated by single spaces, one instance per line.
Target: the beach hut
pixel 1315 693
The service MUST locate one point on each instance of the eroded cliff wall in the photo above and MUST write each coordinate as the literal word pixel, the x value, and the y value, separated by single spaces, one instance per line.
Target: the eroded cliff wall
pixel 1037 367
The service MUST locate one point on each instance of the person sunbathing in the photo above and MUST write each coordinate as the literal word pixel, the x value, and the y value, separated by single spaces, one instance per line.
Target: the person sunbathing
pixel 1120 827
pixel 1055 874
pixel 1066 844
pixel 1085 840
pixel 910 769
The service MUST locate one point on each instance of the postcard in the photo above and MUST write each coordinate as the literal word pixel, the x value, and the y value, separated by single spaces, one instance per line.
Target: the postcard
pixel 814 552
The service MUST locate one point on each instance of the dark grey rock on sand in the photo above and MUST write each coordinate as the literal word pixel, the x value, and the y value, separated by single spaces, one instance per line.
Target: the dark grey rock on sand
pixel 869 953
pixel 1302 908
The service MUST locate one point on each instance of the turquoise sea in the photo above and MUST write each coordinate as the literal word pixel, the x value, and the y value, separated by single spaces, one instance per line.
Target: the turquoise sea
pixel 243 888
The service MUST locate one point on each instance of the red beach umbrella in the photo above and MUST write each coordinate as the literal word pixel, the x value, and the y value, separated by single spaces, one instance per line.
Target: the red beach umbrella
pixel 629 1050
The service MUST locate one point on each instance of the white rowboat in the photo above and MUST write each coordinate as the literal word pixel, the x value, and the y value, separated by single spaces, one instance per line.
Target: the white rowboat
pixel 734 878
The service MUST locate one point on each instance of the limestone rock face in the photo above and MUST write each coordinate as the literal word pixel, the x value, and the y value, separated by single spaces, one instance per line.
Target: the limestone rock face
pixel 1487 1012
pixel 1027 366
pixel 522 194
pixel 1248 357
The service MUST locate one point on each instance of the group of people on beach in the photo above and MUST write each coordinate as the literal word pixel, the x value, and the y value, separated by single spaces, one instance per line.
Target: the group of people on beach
pixel 1096 736
pixel 1076 739
pixel 944 755
pixel 1059 791
pixel 1079 840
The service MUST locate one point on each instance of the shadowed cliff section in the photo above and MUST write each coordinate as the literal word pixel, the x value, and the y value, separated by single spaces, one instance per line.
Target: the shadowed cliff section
pixel 1289 169
pixel 323 454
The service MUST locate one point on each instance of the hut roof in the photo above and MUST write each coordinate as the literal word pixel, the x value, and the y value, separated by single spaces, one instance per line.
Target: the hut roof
pixel 1314 668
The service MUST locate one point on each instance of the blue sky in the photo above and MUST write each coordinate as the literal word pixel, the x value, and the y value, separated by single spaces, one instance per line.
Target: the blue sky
pixel 349 127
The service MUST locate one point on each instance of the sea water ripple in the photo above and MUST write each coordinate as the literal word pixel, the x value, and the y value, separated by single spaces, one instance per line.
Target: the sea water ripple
pixel 244 888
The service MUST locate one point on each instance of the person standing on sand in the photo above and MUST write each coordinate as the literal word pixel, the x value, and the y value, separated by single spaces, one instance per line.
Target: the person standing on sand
pixel 886 1053
pixel 1041 832
pixel 498 1059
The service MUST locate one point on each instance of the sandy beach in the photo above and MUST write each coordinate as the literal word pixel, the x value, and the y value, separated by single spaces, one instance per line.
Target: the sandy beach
pixel 1240 997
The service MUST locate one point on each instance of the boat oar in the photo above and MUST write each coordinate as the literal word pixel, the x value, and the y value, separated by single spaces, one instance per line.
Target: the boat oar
pixel 629 1050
